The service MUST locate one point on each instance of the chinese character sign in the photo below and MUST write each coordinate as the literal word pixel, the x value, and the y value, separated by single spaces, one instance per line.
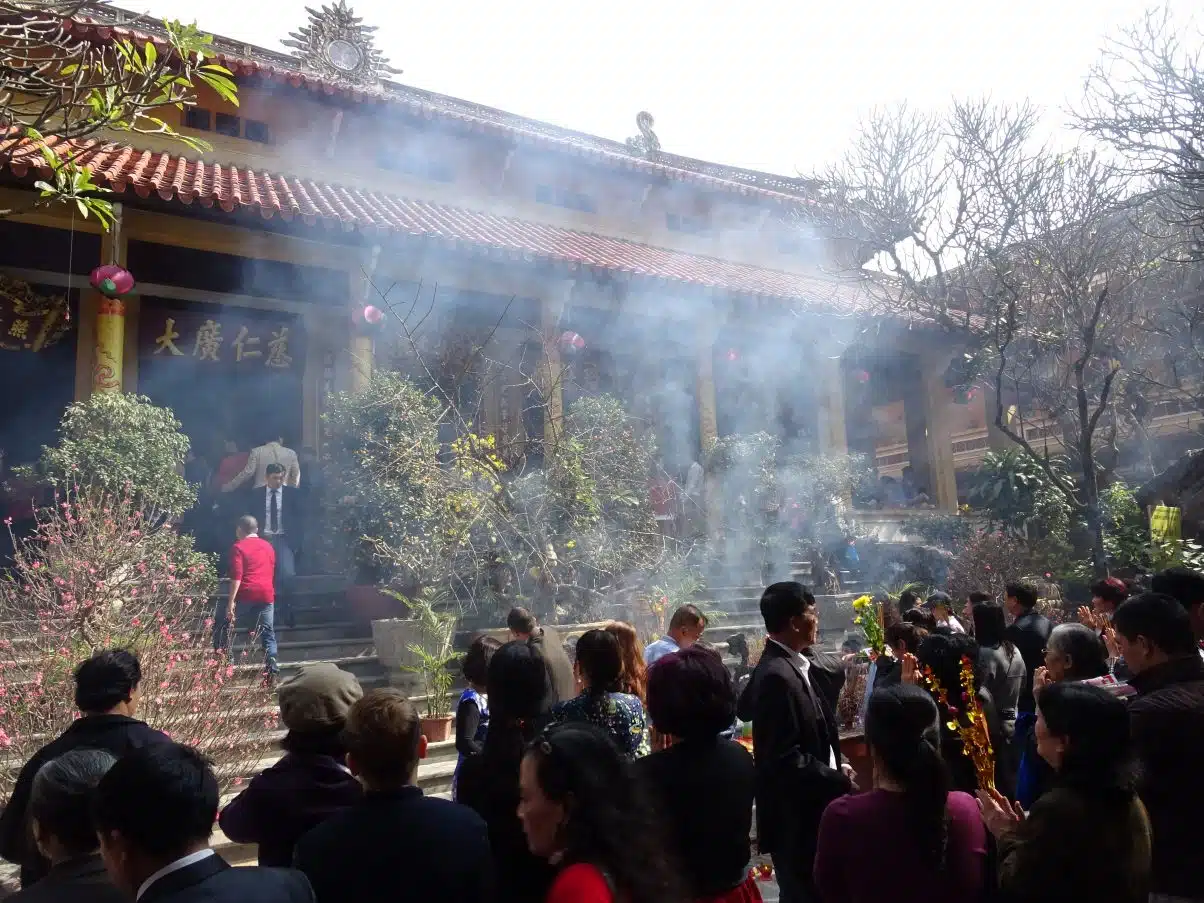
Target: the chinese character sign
pixel 222 338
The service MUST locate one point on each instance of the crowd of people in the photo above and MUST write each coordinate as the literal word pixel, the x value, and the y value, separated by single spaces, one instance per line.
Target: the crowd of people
pixel 613 776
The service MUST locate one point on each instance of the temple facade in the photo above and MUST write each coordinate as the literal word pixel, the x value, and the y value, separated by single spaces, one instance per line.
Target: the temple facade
pixel 712 299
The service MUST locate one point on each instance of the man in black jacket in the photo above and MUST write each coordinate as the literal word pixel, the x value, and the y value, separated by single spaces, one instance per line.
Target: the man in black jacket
pixel 106 693
pixel 546 643
pixel 284 512
pixel 1029 633
pixel 154 812
pixel 60 811
pixel 796 741
pixel 1155 636
pixel 396 843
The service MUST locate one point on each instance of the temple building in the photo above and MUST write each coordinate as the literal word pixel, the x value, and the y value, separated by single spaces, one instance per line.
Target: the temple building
pixel 712 299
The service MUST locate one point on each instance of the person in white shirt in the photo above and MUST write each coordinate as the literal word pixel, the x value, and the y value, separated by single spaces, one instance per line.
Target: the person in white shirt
pixel 941 606
pixel 686 628
pixel 154 811
pixel 272 452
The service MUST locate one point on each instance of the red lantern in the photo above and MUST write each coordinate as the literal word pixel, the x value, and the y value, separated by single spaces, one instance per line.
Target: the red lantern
pixel 112 281
pixel 733 355
pixel 571 342
pixel 862 376
pixel 369 318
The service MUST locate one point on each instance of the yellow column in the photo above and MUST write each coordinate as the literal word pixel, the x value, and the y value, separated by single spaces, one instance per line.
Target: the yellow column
pixel 833 438
pixel 362 348
pixel 109 354
pixel 551 368
pixel 939 433
pixel 708 417
pixel 363 354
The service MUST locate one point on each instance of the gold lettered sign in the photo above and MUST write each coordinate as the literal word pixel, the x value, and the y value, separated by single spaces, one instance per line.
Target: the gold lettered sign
pixel 30 321
pixel 226 338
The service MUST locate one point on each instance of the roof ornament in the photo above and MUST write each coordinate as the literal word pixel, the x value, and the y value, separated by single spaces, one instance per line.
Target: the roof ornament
pixel 338 45
pixel 646 144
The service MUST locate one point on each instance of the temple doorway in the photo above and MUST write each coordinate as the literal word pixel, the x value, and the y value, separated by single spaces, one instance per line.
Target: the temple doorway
pixel 228 373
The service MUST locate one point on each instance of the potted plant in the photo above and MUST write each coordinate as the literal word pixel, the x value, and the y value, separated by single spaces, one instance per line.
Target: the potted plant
pixel 428 627
pixel 434 668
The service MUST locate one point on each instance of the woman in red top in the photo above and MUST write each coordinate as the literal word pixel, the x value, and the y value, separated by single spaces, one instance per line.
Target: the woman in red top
pixel 582 811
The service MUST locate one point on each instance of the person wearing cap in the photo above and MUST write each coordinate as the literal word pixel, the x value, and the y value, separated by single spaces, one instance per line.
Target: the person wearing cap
pixel 311 782
pixel 941 606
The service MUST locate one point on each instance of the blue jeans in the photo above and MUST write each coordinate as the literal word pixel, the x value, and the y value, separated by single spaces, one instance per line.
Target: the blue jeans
pixel 286 573
pixel 257 617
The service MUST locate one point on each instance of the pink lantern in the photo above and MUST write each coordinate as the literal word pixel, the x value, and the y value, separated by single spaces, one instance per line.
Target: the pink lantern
pixel 112 281
pixel 571 342
pixel 862 376
pixel 373 315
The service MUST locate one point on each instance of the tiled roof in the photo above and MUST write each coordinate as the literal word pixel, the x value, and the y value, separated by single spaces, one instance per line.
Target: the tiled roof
pixel 104 22
pixel 171 177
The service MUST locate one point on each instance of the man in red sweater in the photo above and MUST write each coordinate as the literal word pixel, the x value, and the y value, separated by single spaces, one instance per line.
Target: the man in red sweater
pixel 252 593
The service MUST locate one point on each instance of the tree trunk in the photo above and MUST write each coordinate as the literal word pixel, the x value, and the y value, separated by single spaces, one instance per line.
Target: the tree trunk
pixel 1095 516
pixel 1095 523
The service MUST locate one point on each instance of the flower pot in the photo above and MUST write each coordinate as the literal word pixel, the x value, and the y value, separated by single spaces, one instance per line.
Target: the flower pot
pixel 392 638
pixel 368 603
pixel 437 729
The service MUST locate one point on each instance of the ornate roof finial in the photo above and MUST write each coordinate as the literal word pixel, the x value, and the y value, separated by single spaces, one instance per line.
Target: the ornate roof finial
pixel 337 44
pixel 646 143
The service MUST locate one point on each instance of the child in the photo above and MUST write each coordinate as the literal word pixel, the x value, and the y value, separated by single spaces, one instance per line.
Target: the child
pixel 472 712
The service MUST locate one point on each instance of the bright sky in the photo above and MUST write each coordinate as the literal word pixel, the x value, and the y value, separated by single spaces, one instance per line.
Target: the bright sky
pixel 767 84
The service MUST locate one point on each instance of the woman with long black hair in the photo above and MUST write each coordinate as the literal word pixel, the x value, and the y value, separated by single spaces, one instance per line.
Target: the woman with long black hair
pixel 516 681
pixel 1088 837
pixel 582 810
pixel 910 838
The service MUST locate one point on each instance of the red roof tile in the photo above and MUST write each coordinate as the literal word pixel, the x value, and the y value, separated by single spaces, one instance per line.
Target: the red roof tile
pixel 172 177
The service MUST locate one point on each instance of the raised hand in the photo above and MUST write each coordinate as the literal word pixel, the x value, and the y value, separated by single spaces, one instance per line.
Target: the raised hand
pixel 1087 618
pixel 911 669
pixel 999 814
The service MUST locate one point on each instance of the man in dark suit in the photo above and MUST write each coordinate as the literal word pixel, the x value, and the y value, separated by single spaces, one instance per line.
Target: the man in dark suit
pixel 154 812
pixel 106 694
pixel 546 643
pixel 396 842
pixel 796 742
pixel 60 813
pixel 283 511
pixel 1029 633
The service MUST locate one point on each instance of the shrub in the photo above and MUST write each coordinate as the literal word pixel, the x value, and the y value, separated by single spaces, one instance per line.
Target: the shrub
pixel 123 445
pixel 96 574
pixel 988 562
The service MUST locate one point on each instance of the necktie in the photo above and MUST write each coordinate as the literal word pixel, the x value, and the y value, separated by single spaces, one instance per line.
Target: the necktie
pixel 274 512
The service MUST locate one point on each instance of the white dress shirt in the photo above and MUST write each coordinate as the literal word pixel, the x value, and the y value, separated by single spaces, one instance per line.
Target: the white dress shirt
pixel 267 511
pixel 803 664
pixel 190 859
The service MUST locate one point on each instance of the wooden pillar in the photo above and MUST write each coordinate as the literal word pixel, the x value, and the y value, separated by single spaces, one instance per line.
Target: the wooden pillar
pixel 833 439
pixel 708 412
pixel 997 439
pixel 362 348
pixel 935 436
pixel 551 368
pixel 109 349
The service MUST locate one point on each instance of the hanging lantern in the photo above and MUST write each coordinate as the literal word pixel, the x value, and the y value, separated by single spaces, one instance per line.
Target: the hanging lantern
pixel 733 355
pixel 570 342
pixel 112 281
pixel 862 376
pixel 368 318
